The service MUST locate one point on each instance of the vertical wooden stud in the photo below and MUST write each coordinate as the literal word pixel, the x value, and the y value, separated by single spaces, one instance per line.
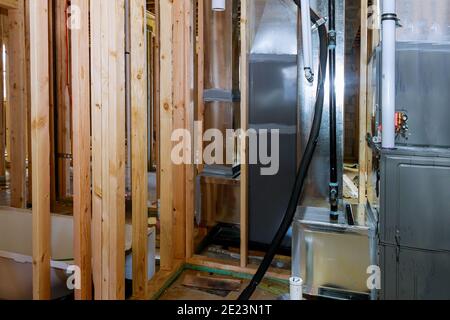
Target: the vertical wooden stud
pixel 244 128
pixel 2 106
pixel 40 137
pixel 63 100
pixel 363 104
pixel 82 149
pixel 108 147
pixel 166 114
pixel 189 124
pixel 17 91
pixel 139 145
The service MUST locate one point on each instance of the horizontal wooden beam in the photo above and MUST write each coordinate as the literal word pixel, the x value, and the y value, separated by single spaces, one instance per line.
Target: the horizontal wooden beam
pixel 9 4
pixel 235 267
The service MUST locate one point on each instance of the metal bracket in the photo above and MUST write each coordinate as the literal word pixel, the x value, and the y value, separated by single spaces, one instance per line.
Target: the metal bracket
pixel 392 16
pixel 319 23
pixel 332 38
pixel 66 156
pixel 398 244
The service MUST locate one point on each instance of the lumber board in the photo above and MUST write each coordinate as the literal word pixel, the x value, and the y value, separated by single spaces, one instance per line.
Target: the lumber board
pixel 244 127
pixel 139 145
pixel 9 4
pixel 166 126
pixel 2 107
pixel 189 117
pixel 363 104
pixel 82 151
pixel 108 147
pixel 63 101
pixel 17 92
pixel 39 65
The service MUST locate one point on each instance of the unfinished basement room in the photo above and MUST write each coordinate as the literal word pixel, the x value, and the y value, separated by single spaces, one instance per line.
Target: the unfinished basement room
pixel 224 152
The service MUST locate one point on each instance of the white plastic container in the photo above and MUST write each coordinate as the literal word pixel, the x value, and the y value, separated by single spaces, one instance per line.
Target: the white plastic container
pixel 296 288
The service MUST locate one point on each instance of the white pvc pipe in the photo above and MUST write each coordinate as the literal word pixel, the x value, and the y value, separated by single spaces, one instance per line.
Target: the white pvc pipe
pixel 218 5
pixel 307 40
pixel 388 75
pixel 296 289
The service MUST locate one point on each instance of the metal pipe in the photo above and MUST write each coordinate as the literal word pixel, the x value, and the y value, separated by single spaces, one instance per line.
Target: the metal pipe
pixel 389 25
pixel 307 40
pixel 334 183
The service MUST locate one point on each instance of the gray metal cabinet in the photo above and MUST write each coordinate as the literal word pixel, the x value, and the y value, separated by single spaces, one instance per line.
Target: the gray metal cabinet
pixel 414 223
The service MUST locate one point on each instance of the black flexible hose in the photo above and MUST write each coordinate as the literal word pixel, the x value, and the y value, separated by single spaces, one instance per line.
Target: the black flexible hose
pixel 304 166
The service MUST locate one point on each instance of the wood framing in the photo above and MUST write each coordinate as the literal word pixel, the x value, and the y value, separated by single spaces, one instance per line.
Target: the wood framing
pixel 63 100
pixel 17 92
pixel 177 112
pixel 82 150
pixel 53 34
pixel 235 267
pixel 244 128
pixel 28 102
pixel 189 119
pixel 2 106
pixel 179 122
pixel 9 4
pixel 108 147
pixel 139 145
pixel 157 101
pixel 166 126
pixel 363 105
pixel 40 147
pixel 200 72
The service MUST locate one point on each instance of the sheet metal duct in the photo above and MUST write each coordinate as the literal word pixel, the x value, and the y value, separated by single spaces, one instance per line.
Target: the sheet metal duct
pixel 317 188
pixel 273 105
pixel 274 27
pixel 221 93
pixel 424 21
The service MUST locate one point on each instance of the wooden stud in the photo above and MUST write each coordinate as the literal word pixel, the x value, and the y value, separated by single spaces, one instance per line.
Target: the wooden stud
pixel 82 150
pixel 139 145
pixel 7 101
pixel 179 122
pixel 28 102
pixel 40 137
pixel 200 71
pixel 52 36
pixel 189 125
pixel 166 115
pixel 373 41
pixel 2 106
pixel 363 104
pixel 157 102
pixel 244 128
pixel 108 147
pixel 17 81
pixel 63 100
pixel 97 147
pixel 9 4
